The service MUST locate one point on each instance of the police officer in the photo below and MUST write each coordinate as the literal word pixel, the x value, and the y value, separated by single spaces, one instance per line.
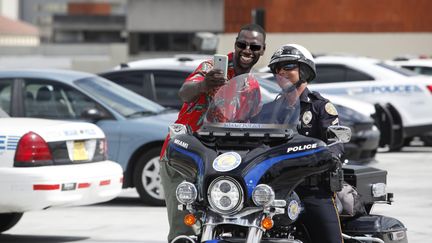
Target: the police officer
pixel 294 66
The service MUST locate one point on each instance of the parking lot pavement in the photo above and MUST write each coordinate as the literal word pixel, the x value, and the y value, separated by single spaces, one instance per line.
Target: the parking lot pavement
pixel 126 220
pixel 409 174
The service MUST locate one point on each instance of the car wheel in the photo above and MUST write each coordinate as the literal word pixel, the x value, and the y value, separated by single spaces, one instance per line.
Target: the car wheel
pixel 427 140
pixel 147 178
pixel 9 220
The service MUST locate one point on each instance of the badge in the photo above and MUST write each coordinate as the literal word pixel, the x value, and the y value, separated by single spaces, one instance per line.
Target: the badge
pixel 307 117
pixel 330 109
pixel 227 161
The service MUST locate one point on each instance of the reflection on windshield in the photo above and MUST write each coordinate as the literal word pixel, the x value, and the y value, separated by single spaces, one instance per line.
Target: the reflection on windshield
pixel 240 101
pixel 124 101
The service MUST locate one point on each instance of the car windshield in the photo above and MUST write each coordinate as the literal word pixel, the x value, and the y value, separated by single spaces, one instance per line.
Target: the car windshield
pixel 3 114
pixel 239 104
pixel 402 71
pixel 120 99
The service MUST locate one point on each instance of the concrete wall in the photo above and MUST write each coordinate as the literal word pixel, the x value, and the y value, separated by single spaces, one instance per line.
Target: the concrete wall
pixel 83 57
pixel 377 45
pixel 175 15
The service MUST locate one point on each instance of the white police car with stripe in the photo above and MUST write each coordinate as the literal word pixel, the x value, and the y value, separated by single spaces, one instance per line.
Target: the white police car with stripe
pixel 48 164
pixel 374 81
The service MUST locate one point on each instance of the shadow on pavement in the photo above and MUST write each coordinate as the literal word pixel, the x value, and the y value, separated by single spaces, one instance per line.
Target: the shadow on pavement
pixel 38 239
pixel 123 201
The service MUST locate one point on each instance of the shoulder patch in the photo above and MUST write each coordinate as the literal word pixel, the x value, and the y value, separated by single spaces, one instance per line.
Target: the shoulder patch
pixel 330 109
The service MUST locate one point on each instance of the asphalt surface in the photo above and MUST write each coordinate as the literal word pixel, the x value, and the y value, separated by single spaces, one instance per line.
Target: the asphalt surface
pixel 126 220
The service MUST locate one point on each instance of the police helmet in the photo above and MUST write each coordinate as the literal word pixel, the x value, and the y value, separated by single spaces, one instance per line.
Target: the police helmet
pixel 294 53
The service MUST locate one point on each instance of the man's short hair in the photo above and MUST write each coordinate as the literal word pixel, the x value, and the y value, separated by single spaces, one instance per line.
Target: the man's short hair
pixel 253 27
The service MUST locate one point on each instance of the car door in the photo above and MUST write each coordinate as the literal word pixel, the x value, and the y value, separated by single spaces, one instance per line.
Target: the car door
pixel 54 100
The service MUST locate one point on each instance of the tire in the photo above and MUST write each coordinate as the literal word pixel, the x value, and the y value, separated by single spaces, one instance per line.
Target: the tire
pixel 9 220
pixel 146 178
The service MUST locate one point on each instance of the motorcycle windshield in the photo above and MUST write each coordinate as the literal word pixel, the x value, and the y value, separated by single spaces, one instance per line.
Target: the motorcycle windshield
pixel 243 103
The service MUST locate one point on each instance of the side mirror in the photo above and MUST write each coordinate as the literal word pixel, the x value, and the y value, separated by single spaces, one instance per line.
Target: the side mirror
pixel 339 134
pixel 94 114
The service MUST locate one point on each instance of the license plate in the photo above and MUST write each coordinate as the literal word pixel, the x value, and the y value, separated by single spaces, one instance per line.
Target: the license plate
pixel 68 186
pixel 79 151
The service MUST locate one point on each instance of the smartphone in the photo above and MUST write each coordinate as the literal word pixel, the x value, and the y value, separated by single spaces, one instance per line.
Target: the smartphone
pixel 221 62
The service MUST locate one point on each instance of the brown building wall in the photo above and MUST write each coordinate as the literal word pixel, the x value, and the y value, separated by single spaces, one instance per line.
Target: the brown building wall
pixel 89 8
pixel 333 15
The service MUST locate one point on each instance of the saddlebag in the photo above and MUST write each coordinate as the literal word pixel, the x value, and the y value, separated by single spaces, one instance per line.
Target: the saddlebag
pixel 362 178
pixel 388 229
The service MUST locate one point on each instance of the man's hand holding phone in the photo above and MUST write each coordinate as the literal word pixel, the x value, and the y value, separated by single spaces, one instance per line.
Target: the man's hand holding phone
pixel 218 75
pixel 213 79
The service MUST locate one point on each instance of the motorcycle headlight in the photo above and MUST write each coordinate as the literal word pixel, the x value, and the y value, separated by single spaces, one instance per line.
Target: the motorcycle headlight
pixel 225 195
pixel 293 209
pixel 263 195
pixel 186 193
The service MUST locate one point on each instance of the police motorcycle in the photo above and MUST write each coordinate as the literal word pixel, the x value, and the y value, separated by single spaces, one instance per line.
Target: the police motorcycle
pixel 242 167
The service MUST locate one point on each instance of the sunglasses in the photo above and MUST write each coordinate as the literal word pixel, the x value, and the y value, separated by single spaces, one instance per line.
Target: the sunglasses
pixel 252 47
pixel 288 66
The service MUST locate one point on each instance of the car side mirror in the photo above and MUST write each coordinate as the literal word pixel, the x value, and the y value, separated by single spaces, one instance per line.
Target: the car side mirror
pixel 94 114
pixel 340 134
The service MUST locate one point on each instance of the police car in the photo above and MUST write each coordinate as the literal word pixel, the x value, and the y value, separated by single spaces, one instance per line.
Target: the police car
pixel 47 164
pixel 403 98
pixel 406 95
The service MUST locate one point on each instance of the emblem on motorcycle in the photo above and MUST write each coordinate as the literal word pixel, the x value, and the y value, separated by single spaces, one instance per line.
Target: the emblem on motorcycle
pixel 227 161
pixel 307 117
pixel 181 143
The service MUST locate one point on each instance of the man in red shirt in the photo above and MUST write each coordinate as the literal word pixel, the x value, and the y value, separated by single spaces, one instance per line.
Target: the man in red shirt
pixel 196 92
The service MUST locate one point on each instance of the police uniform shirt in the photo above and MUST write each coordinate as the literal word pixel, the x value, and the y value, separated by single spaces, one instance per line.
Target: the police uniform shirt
pixel 316 115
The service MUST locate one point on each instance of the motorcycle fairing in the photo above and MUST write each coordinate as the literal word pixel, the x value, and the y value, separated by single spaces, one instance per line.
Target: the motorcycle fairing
pixel 271 164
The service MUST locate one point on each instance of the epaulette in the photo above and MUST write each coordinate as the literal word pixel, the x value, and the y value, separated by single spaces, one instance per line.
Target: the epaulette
pixel 317 96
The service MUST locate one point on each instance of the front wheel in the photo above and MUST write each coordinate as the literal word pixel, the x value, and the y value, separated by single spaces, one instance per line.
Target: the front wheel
pixel 9 220
pixel 147 178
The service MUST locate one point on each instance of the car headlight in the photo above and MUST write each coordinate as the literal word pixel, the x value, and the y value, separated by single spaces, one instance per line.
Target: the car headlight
pixel 225 195
pixel 186 193
pixel 263 195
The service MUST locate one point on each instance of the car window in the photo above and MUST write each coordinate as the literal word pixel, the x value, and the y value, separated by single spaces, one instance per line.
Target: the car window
pixel 354 75
pixel 404 72
pixel 122 100
pixel 45 99
pixel 338 73
pixel 5 94
pixel 130 80
pixel 420 70
pixel 329 74
pixel 167 85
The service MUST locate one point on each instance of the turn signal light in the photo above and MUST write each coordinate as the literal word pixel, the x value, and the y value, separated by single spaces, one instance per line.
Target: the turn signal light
pixel 189 219
pixel 429 88
pixel 267 223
